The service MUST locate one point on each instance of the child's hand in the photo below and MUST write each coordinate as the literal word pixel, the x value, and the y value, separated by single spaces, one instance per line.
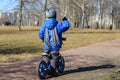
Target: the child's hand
pixel 64 18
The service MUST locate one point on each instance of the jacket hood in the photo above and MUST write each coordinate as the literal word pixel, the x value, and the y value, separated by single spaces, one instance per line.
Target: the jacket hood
pixel 51 23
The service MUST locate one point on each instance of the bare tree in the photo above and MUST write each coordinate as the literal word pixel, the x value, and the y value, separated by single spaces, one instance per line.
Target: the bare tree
pixel 115 7
pixel 83 4
pixel 77 11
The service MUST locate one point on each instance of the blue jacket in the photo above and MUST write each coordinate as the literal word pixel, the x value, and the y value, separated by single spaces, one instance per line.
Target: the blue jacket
pixel 50 24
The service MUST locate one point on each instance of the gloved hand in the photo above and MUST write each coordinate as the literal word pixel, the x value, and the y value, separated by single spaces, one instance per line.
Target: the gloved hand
pixel 64 18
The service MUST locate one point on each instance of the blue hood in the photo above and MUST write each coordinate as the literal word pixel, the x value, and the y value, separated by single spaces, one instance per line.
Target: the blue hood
pixel 51 23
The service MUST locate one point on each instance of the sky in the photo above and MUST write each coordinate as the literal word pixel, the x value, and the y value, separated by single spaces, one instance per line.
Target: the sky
pixel 7 5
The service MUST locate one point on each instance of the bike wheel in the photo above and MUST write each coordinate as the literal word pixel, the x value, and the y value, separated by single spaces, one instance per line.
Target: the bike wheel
pixel 42 69
pixel 61 65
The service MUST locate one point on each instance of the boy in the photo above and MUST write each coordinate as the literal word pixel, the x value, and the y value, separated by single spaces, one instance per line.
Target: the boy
pixel 51 34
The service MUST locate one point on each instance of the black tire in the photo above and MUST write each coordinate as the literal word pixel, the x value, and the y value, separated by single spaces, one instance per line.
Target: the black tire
pixel 51 71
pixel 42 69
pixel 61 65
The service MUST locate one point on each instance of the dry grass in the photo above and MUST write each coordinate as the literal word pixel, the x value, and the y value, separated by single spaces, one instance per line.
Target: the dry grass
pixel 112 76
pixel 16 45
pixel 84 37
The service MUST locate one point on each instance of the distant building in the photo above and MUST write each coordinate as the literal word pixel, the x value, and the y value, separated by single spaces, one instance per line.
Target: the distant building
pixel 28 19
pixel 13 17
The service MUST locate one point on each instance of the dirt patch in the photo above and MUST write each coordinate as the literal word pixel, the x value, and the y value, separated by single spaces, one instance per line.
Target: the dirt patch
pixel 85 63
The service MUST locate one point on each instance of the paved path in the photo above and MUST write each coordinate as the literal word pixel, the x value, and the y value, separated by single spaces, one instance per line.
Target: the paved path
pixel 84 63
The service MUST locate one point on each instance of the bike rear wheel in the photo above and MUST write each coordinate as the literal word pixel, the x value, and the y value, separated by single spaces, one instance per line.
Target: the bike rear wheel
pixel 61 65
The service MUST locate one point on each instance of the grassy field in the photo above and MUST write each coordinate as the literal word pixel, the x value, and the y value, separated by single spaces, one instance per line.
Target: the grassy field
pixel 112 76
pixel 15 45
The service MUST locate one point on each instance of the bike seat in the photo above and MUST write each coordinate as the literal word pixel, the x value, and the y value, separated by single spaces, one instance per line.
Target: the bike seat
pixel 44 54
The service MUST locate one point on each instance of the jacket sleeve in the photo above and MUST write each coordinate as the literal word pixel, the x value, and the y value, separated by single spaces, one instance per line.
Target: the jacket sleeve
pixel 64 25
pixel 41 32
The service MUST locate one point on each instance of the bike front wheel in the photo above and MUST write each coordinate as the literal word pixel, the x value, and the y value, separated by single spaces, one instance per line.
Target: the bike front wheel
pixel 42 69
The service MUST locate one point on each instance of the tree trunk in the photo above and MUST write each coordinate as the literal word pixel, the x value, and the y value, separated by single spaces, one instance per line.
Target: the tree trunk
pixel 20 16
pixel 45 8
pixel 86 19
pixel 83 17
pixel 112 16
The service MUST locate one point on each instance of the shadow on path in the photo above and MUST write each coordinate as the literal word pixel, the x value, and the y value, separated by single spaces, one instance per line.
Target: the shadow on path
pixel 83 69
pixel 90 68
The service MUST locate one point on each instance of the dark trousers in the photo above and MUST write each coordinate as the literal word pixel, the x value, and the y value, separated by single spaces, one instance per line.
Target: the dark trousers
pixel 54 58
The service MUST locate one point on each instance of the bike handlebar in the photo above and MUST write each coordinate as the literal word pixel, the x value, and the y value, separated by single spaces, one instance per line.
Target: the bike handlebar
pixel 64 39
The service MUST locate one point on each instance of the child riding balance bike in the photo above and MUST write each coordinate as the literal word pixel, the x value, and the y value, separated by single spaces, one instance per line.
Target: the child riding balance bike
pixel 51 35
